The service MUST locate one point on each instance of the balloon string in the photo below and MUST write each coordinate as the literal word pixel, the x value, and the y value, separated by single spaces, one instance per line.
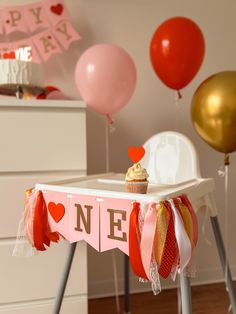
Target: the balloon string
pixel 226 160
pixel 107 148
pixel 226 220
pixel 110 128
pixel 179 94
pixel 177 115
pixel 109 119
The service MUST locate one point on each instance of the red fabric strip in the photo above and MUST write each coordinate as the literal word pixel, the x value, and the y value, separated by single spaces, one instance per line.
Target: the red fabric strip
pixel 41 231
pixel 134 243
pixel 170 252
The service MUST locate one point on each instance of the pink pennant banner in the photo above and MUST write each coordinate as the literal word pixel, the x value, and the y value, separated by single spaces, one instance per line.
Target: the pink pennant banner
pixel 36 16
pixel 13 19
pixel 46 44
pixel 66 34
pixel 50 17
pixel 31 17
pixel 56 11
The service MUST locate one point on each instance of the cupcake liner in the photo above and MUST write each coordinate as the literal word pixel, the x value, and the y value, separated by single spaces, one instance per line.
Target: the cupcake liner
pixel 136 187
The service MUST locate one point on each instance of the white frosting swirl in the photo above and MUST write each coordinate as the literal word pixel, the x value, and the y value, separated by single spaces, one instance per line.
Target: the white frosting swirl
pixel 136 172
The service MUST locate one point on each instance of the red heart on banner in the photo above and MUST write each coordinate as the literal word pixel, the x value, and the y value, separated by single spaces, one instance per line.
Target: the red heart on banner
pixel 57 211
pixel 57 9
pixel 9 55
pixel 136 153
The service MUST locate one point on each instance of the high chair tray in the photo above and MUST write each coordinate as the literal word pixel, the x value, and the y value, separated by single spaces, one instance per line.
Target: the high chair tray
pixel 113 185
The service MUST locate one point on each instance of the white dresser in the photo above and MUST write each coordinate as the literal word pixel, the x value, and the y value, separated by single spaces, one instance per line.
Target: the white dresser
pixel 40 141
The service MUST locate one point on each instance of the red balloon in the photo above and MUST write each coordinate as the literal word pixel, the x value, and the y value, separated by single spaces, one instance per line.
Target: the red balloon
pixel 177 50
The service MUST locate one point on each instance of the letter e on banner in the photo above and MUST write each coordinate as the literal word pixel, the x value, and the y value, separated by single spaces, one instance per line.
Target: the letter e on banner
pixel 114 224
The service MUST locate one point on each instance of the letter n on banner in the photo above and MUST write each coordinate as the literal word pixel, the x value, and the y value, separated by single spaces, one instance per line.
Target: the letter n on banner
pixel 114 224
pixel 46 44
pixel 84 219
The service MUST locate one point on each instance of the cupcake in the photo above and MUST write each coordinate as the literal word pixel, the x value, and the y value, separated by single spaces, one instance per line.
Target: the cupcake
pixel 136 179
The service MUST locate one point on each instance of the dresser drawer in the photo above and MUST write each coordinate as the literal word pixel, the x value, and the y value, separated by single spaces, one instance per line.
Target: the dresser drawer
pixel 42 139
pixel 77 304
pixel 38 277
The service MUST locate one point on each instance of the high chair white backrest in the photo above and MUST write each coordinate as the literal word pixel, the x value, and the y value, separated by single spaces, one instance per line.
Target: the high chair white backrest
pixel 170 158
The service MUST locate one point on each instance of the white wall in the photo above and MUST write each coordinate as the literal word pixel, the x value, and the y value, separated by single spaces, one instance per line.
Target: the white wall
pixel 130 24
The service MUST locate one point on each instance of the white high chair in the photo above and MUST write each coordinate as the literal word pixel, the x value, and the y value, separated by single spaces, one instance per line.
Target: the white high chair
pixel 172 163
pixel 171 160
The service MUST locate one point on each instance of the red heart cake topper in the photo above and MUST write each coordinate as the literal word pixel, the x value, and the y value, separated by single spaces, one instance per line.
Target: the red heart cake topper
pixel 57 211
pixel 136 153
pixel 57 9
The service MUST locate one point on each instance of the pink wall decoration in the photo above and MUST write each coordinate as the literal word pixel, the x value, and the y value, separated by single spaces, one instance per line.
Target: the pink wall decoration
pixel 49 18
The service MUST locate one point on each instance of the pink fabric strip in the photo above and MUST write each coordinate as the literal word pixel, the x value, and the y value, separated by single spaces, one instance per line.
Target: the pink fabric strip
pixel 148 234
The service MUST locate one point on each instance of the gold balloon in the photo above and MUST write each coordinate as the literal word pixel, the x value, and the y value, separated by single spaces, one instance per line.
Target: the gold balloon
pixel 214 111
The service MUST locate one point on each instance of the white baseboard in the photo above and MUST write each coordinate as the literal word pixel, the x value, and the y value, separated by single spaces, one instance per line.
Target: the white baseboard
pixel 71 304
pixel 101 289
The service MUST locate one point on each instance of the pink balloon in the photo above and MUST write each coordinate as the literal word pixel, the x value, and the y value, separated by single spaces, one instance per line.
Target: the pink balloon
pixel 105 76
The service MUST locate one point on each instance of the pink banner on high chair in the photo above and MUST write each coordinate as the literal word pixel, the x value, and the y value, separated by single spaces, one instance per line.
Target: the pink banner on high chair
pixel 114 222
pixel 75 217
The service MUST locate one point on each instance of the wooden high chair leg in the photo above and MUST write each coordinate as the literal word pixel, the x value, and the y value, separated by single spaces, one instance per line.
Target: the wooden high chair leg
pixel 64 279
pixel 224 262
pixel 186 298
